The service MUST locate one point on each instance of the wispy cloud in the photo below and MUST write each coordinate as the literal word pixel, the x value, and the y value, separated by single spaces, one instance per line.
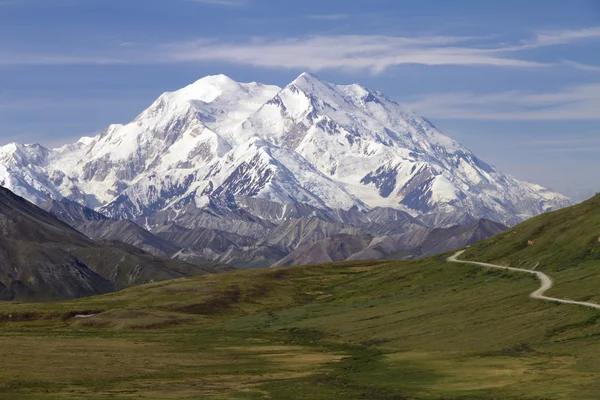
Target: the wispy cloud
pixel 9 104
pixel 374 53
pixel 574 103
pixel 568 144
pixel 12 59
pixel 569 141
pixel 554 38
pixel 354 52
pixel 581 66
pixel 327 17
pixel 586 149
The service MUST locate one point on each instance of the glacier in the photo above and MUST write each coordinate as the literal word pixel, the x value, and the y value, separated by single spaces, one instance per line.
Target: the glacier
pixel 219 146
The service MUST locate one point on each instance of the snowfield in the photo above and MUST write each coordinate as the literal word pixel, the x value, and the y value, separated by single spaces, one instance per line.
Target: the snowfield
pixel 311 142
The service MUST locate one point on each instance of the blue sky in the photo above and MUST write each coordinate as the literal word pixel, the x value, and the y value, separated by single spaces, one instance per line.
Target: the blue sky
pixel 518 82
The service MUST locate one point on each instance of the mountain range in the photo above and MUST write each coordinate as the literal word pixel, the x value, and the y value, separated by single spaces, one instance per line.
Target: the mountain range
pixel 43 258
pixel 247 173
pixel 389 234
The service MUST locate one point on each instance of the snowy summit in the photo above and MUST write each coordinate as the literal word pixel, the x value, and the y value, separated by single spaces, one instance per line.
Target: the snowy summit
pixel 314 143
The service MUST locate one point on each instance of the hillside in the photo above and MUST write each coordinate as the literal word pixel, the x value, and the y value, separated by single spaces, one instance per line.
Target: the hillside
pixel 70 212
pixel 127 232
pixel 422 329
pixel 252 242
pixel 416 243
pixel 565 244
pixel 43 258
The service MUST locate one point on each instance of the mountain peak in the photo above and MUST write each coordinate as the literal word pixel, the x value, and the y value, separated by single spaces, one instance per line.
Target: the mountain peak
pixel 307 75
pixel 307 79
pixel 208 89
pixel 219 79
pixel 21 153
pixel 328 145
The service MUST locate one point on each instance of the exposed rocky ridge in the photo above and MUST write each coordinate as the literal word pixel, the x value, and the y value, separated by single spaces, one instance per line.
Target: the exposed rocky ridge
pixel 421 242
pixel 203 244
pixel 98 227
pixel 394 233
pixel 70 212
pixel 311 145
pixel 248 173
pixel 128 232
pixel 43 258
pixel 336 248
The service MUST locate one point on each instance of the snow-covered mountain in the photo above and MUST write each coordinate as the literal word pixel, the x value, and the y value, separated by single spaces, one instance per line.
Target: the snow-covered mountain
pixel 310 145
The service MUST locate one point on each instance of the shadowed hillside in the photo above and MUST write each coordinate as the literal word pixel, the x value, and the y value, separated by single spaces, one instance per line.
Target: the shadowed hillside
pixel 43 258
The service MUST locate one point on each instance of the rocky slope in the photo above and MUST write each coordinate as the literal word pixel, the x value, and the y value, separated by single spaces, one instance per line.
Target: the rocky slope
pixel 127 232
pixel 417 243
pixel 390 233
pixel 71 212
pixel 43 258
pixel 246 173
pixel 309 145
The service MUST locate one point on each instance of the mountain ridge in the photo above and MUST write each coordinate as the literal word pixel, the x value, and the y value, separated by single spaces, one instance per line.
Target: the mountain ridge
pixel 44 258
pixel 326 146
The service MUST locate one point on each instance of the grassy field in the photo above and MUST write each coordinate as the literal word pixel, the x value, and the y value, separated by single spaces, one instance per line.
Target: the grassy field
pixel 364 330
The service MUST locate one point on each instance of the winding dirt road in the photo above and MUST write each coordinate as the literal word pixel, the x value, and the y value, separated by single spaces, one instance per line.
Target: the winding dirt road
pixel 546 281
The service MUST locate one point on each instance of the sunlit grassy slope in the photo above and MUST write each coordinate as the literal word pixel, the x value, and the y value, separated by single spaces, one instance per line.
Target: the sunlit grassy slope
pixel 565 244
pixel 358 330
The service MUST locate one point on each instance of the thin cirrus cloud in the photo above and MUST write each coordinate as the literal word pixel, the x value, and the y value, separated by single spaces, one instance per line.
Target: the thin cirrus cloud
pixel 574 145
pixel 581 66
pixel 580 102
pixel 351 52
pixel 551 38
pixel 374 53
pixel 33 59
pixel 379 53
pixel 571 144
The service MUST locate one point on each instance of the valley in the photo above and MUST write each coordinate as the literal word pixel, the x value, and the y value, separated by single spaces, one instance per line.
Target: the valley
pixel 422 329
pixel 391 330
pixel 131 272
pixel 299 200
